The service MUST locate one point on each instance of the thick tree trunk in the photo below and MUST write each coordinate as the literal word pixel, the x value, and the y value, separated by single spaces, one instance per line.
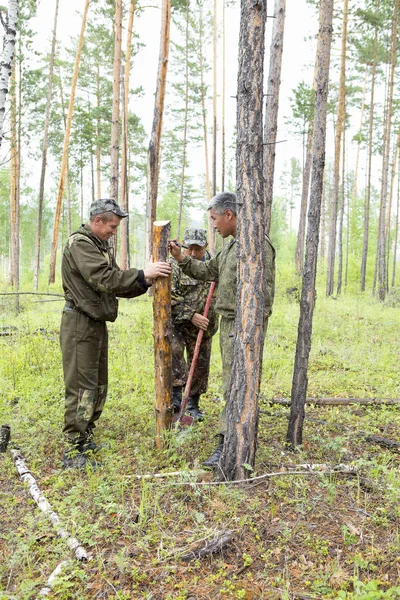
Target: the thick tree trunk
pixel 303 347
pixel 124 260
pixel 242 407
pixel 381 245
pixel 10 33
pixel 44 152
pixel 301 234
pixel 338 136
pixel 185 124
pixel 116 100
pixel 64 160
pixel 162 335
pixel 155 141
pixel 272 105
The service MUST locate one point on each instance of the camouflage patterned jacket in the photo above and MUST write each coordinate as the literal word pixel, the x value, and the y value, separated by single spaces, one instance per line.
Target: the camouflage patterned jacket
pixel 92 279
pixel 223 269
pixel 188 297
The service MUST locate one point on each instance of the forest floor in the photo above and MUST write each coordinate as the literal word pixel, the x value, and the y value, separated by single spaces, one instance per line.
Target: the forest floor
pixel 295 536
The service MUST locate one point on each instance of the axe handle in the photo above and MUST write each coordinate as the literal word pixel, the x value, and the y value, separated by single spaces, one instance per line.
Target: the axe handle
pixel 195 354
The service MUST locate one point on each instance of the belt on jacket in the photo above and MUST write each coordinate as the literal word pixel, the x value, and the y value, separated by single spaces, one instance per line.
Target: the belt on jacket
pixel 72 307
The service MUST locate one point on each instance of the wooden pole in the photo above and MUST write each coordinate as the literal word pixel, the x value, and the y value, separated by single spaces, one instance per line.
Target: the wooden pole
pixel 162 334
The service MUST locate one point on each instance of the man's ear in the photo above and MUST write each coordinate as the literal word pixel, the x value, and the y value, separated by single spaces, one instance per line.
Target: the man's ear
pixel 229 214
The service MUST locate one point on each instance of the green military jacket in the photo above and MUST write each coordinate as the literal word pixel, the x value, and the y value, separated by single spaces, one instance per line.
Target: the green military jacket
pixel 223 269
pixel 189 296
pixel 91 278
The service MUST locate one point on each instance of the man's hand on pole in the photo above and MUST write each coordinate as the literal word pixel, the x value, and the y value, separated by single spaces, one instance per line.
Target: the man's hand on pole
pixel 200 322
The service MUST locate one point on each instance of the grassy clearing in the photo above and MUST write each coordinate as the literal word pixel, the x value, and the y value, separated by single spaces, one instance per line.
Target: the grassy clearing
pixel 294 536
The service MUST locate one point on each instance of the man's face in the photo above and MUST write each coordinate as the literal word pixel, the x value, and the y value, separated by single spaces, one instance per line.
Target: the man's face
pixel 196 251
pixel 225 224
pixel 105 231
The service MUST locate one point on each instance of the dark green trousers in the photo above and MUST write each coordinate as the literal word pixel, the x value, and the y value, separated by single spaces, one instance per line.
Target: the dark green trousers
pixel 84 347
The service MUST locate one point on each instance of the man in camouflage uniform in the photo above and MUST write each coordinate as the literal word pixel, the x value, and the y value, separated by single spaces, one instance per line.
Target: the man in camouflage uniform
pixel 188 300
pixel 92 281
pixel 223 269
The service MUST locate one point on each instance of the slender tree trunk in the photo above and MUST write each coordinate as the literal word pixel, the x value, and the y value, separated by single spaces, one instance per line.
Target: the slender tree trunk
pixel 323 210
pixel 367 203
pixel 303 347
pixel 301 234
pixel 223 150
pixel 381 246
pixel 272 104
pixel 64 159
pixel 389 208
pixel 10 33
pixel 185 124
pixel 116 100
pixel 44 153
pixel 67 178
pixel 162 335
pixel 14 203
pixel 155 141
pixel 396 231
pixel 124 261
pixel 242 408
pixel 215 92
pixel 341 218
pixel 98 127
pixel 338 137
pixel 360 132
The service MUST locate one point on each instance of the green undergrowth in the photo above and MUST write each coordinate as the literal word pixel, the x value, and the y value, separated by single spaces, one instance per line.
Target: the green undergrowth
pixel 294 536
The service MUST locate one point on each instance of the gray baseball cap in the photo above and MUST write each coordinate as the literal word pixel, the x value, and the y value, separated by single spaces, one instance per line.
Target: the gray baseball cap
pixel 196 236
pixel 106 205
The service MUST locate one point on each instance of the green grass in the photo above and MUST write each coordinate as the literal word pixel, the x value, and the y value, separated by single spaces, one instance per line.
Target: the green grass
pixel 316 536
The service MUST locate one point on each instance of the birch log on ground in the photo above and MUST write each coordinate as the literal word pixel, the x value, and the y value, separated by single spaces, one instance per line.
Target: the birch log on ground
pixel 162 334
pixel 307 303
pixel 46 590
pixel 272 105
pixel 10 33
pixel 242 406
pixel 34 490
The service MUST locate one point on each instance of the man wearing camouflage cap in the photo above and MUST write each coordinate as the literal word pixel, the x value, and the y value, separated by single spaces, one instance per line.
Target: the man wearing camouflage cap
pixel 92 281
pixel 188 300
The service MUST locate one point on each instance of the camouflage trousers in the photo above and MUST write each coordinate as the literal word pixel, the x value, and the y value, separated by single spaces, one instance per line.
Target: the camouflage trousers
pixel 226 329
pixel 84 347
pixel 182 339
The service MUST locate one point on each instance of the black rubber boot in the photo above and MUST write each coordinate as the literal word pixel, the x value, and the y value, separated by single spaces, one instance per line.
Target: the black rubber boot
pixel 193 408
pixel 89 445
pixel 176 398
pixel 214 458
pixel 75 459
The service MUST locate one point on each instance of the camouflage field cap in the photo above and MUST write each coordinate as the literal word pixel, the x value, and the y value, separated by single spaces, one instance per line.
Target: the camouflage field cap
pixel 196 236
pixel 106 205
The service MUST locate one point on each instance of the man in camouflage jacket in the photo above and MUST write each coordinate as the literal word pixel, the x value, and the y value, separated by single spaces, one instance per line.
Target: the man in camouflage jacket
pixel 223 269
pixel 188 300
pixel 92 281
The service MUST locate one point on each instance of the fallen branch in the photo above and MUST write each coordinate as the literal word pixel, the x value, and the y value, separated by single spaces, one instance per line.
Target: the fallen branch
pixel 30 294
pixel 45 591
pixel 385 442
pixel 337 401
pixel 211 547
pixel 171 474
pixel 27 477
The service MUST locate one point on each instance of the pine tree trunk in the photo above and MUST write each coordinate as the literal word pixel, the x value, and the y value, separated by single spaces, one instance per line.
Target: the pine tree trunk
pixel 322 233
pixel 303 347
pixel 272 104
pixel 223 149
pixel 64 160
pixel 396 232
pixel 116 100
pixel 360 132
pixel 185 124
pixel 341 218
pixel 155 141
pixel 389 208
pixel 338 137
pixel 381 245
pixel 67 178
pixel 162 335
pixel 44 153
pixel 10 33
pixel 242 408
pixel 367 203
pixel 124 260
pixel 301 234
pixel 98 129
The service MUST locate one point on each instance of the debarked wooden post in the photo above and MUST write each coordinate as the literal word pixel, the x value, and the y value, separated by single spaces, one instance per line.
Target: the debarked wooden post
pixel 162 334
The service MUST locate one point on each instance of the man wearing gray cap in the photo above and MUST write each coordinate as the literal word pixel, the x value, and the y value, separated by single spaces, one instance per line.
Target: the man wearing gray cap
pixel 188 300
pixel 92 281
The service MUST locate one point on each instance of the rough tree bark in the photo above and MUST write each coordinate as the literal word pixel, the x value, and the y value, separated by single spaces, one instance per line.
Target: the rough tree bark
pixel 223 95
pixel 44 153
pixel 10 32
pixel 116 100
pixel 341 218
pixel 14 186
pixel 155 140
pixel 185 123
pixel 64 160
pixel 381 244
pixel 338 137
pixel 242 410
pixel 272 105
pixel 124 260
pixel 301 234
pixel 303 347
pixel 162 334
pixel 396 231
